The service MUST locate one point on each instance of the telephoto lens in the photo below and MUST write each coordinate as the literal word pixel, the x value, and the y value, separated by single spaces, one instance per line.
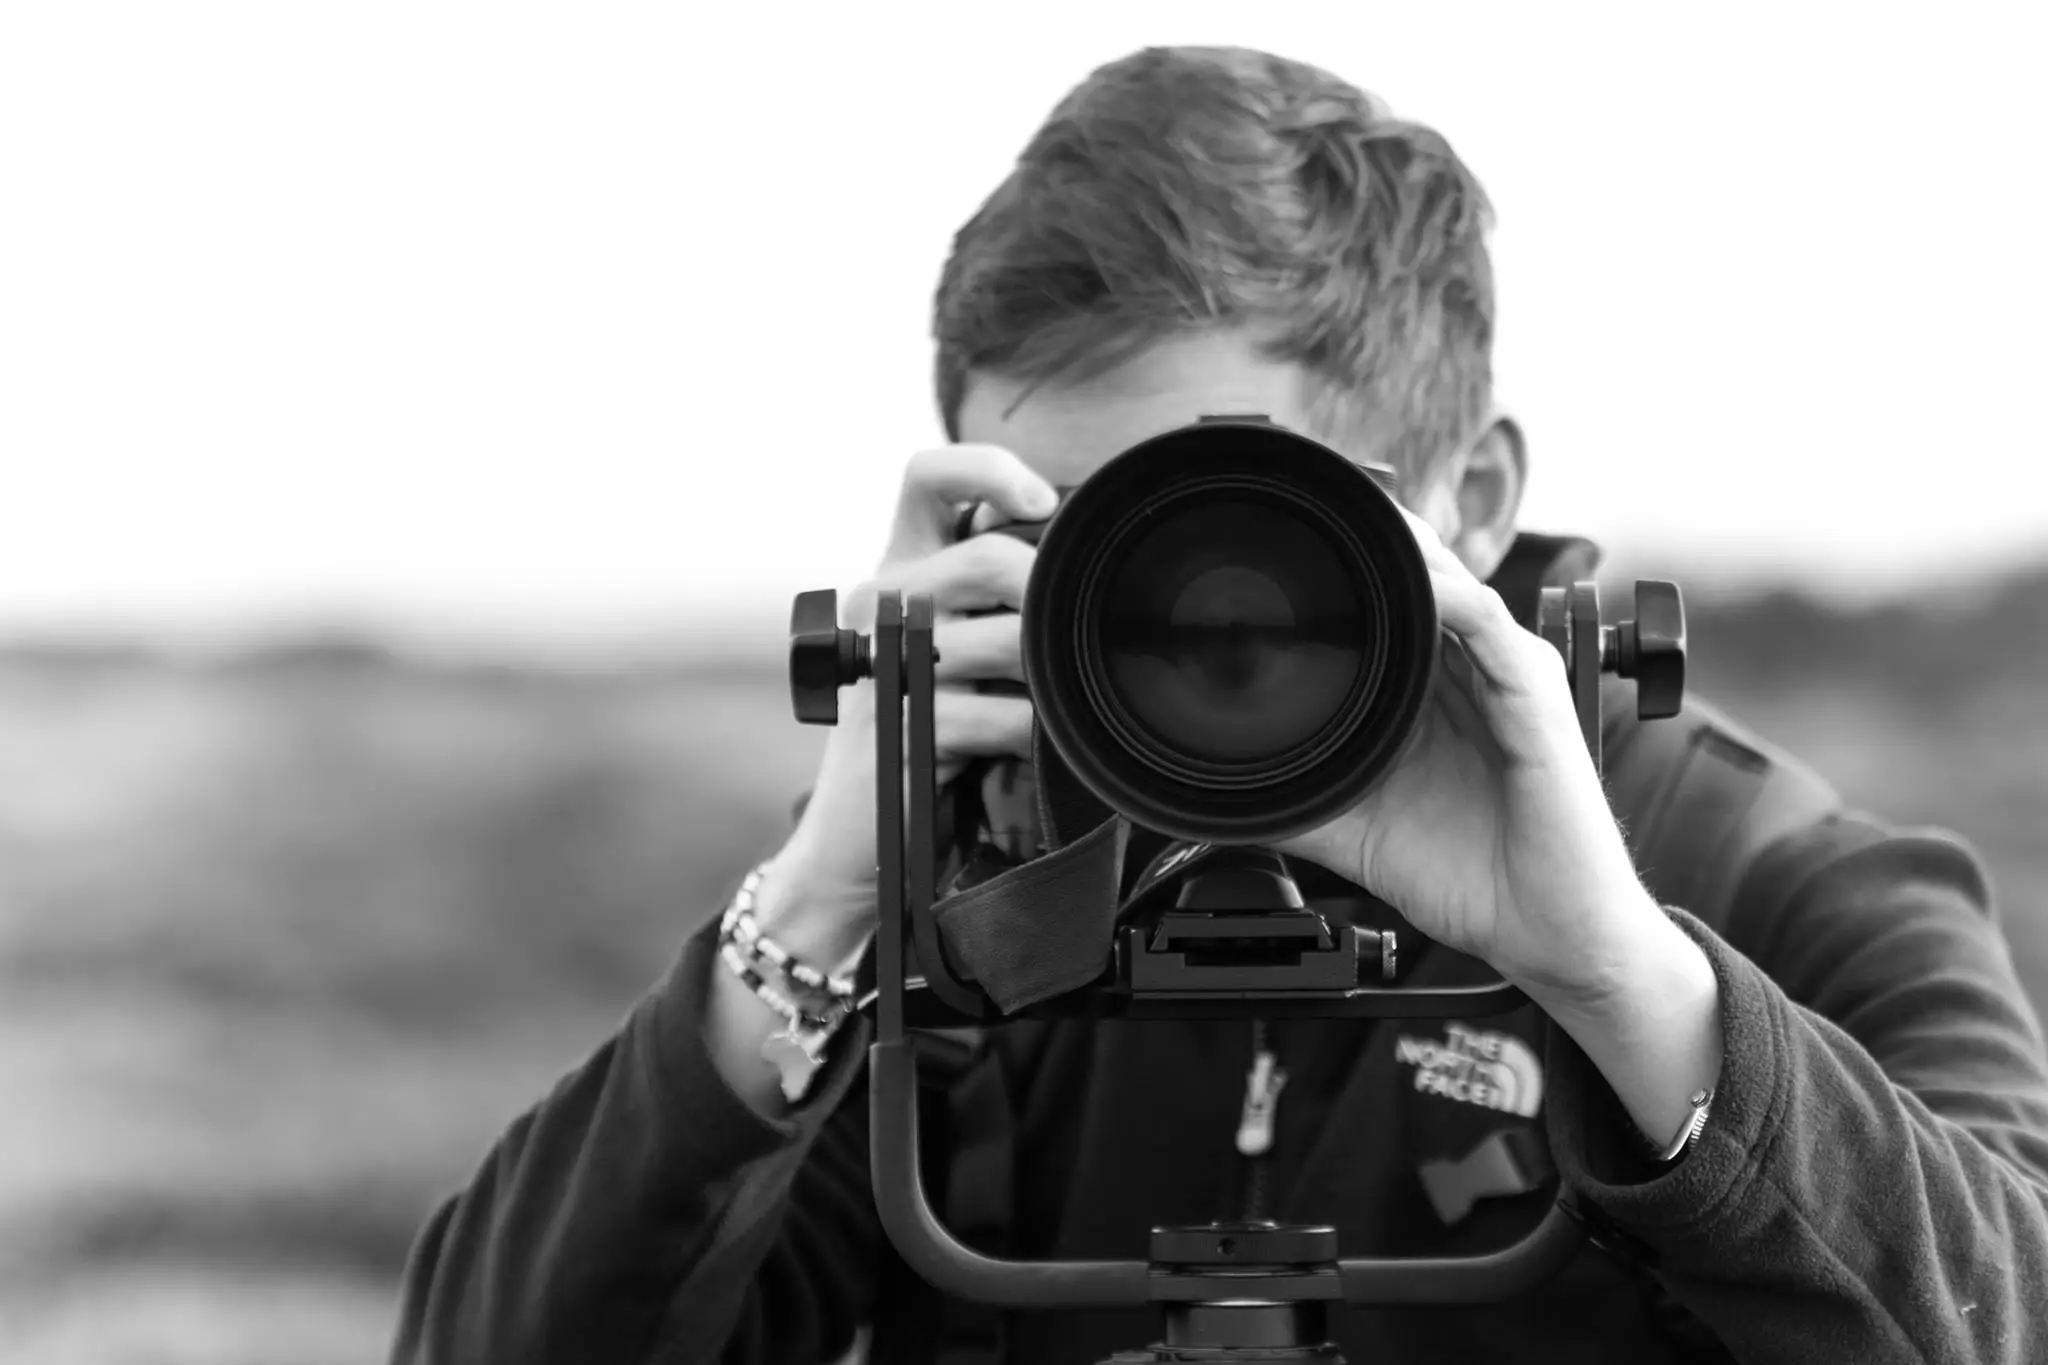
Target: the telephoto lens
pixel 1229 633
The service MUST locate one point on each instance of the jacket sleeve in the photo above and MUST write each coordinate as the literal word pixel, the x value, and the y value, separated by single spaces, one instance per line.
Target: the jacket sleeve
pixel 644 1212
pixel 1872 1183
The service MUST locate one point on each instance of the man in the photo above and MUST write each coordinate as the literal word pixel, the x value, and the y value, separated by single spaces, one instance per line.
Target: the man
pixel 1198 232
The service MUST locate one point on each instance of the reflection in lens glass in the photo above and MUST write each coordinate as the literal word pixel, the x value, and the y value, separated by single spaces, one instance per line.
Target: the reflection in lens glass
pixel 1233 632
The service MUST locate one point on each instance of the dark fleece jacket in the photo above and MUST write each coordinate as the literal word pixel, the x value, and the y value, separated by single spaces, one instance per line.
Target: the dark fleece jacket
pixel 1872 1187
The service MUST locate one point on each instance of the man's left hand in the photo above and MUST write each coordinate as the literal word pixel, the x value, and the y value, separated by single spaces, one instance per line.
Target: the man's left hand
pixel 1493 835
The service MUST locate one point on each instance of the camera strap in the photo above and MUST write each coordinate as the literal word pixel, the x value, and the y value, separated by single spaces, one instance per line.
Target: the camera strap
pixel 1043 928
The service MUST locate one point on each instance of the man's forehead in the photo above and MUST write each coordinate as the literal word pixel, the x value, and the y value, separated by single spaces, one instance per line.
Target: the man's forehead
pixel 1067 430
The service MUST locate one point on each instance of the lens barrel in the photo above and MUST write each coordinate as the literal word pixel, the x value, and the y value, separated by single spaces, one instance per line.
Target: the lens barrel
pixel 1229 632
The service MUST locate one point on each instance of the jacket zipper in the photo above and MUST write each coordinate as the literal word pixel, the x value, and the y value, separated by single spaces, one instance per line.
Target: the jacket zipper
pixel 1255 1126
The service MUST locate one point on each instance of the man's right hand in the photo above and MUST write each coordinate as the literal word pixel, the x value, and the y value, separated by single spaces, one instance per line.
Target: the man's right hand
pixel 819 895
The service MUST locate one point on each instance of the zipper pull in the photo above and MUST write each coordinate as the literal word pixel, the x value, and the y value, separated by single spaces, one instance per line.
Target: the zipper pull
pixel 1262 1086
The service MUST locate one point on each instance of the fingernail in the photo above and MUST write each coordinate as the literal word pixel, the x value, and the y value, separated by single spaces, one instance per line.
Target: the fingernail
pixel 1041 501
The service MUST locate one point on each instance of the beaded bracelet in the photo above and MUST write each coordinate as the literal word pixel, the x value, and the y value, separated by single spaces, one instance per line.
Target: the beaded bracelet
pixel 798 1050
pixel 794 1012
pixel 740 926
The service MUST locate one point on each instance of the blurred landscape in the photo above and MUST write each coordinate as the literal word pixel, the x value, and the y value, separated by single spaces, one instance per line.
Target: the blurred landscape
pixel 287 937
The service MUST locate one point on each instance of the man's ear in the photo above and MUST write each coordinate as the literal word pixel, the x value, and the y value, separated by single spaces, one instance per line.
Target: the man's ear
pixel 1487 482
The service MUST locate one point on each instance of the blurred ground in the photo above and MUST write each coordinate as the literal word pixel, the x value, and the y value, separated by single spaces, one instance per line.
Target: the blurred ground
pixel 284 943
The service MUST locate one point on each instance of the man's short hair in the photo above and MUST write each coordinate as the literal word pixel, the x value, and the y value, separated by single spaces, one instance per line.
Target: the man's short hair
pixel 1187 188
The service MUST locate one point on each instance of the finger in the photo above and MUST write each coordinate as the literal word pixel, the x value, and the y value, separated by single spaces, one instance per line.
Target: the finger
pixel 937 481
pixel 1505 657
pixel 1454 667
pixel 987 516
pixel 1460 694
pixel 1495 643
pixel 972 575
pixel 968 725
pixel 980 647
pixel 1435 553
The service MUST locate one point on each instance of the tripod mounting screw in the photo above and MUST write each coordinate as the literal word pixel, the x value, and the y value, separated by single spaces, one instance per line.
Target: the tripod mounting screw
pixel 822 657
pixel 1651 649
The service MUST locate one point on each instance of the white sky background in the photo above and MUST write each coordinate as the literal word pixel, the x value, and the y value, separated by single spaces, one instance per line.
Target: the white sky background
pixel 558 321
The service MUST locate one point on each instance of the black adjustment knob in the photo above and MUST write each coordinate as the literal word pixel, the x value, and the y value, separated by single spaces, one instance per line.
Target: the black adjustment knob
pixel 1651 649
pixel 822 657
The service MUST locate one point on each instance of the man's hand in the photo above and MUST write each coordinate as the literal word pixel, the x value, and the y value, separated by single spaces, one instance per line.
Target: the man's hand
pixel 818 897
pixel 1493 835
pixel 821 891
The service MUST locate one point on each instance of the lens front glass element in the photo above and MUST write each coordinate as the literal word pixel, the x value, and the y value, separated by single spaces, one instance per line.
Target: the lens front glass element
pixel 1233 632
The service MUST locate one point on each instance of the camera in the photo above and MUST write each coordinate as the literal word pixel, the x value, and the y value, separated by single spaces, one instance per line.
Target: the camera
pixel 1229 637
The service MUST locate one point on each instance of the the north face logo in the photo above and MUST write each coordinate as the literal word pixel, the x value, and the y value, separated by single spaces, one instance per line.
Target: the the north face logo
pixel 1472 1066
